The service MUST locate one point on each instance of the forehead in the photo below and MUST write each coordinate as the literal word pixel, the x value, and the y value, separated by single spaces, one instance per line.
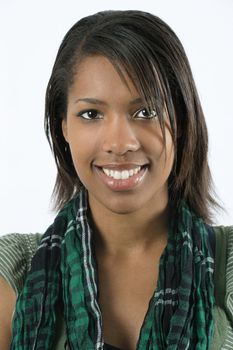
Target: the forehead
pixel 96 75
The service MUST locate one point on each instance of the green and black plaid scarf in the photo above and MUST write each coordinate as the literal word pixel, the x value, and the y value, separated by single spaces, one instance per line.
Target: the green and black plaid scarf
pixel 63 272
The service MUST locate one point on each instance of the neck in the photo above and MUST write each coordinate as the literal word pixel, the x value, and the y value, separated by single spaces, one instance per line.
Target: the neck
pixel 129 233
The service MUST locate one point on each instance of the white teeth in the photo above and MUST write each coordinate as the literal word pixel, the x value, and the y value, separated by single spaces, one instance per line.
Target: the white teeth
pixel 125 174
pixel 107 172
pixel 131 172
pixel 117 175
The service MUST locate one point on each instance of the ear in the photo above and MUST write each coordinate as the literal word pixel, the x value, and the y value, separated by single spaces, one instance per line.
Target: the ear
pixel 64 129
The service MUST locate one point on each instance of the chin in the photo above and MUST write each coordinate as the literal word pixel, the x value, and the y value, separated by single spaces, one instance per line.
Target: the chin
pixel 123 206
pixel 122 211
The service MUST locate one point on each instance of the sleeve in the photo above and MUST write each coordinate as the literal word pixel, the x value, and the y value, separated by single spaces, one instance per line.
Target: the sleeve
pixel 16 252
pixel 229 277
pixel 223 281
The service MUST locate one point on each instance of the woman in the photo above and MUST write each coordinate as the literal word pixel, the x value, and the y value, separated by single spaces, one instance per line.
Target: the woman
pixel 129 259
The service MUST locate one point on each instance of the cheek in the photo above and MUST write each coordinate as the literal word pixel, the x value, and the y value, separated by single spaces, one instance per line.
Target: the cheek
pixel 159 149
pixel 165 155
pixel 78 155
pixel 169 160
pixel 81 166
pixel 82 152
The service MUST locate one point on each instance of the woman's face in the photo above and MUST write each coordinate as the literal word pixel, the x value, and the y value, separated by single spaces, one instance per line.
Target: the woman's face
pixel 116 144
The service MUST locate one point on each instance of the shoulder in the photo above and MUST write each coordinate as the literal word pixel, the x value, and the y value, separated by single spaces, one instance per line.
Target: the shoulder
pixel 229 253
pixel 223 242
pixel 223 285
pixel 16 252
pixel 223 257
pixel 7 304
pixel 223 231
pixel 224 248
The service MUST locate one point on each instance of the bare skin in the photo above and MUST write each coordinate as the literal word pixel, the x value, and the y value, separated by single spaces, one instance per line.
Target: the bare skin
pixel 128 268
pixel 127 281
pixel 7 305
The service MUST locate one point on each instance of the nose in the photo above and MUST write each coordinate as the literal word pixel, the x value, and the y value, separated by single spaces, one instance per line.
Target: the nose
pixel 119 136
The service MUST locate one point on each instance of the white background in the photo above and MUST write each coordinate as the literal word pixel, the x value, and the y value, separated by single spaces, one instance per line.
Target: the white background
pixel 30 33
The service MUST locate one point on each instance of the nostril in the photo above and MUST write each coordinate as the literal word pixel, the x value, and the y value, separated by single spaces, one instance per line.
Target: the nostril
pixel 120 147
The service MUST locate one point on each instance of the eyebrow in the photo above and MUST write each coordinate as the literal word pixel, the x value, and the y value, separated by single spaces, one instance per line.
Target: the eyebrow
pixel 95 101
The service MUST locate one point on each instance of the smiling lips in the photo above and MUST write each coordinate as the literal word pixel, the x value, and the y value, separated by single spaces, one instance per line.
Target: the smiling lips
pixel 122 177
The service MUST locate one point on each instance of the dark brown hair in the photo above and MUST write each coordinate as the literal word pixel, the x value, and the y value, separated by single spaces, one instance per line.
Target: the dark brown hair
pixel 144 47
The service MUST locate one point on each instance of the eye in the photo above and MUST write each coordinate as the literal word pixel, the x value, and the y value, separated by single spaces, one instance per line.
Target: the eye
pixel 90 114
pixel 145 113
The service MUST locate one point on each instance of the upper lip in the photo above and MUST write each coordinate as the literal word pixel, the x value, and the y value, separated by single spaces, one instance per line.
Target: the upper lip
pixel 120 166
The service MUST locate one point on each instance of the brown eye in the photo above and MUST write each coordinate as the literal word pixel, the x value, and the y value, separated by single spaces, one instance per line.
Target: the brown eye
pixel 145 114
pixel 90 114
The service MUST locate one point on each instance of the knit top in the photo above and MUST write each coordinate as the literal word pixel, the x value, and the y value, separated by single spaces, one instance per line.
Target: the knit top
pixel 17 250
